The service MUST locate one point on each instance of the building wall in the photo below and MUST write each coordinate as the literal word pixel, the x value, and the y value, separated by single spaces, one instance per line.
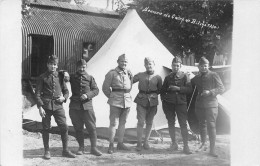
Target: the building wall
pixel 69 31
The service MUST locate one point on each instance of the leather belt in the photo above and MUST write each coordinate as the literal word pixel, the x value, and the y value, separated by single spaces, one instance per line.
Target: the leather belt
pixel 51 98
pixel 120 90
pixel 147 92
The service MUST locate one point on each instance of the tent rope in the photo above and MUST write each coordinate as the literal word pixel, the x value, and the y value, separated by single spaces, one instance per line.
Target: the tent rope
pixel 28 122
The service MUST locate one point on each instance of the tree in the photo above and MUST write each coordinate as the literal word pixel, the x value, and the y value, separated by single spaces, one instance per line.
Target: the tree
pixel 179 25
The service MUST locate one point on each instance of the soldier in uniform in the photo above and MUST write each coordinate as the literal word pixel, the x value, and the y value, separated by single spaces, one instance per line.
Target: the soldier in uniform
pixel 117 86
pixel 149 87
pixel 51 92
pixel 209 85
pixel 84 89
pixel 173 94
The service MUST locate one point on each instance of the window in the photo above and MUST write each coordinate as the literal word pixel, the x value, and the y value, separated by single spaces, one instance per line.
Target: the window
pixel 88 51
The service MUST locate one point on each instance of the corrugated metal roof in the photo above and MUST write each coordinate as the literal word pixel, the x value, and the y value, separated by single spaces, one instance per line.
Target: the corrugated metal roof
pixel 65 5
pixel 69 31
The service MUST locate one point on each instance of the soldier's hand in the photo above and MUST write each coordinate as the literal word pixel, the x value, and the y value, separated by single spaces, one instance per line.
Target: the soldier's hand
pixel 42 112
pixel 174 88
pixel 84 97
pixel 205 93
pixel 60 99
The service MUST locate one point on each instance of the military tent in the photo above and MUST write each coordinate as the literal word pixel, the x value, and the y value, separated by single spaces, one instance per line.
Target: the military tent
pixel 133 38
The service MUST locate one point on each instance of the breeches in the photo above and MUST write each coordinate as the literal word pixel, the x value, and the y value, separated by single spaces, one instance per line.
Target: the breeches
pixel 145 114
pixel 207 116
pixel 60 119
pixel 170 110
pixel 80 118
pixel 117 113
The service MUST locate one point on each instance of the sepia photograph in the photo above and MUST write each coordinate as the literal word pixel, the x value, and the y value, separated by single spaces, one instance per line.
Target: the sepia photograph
pixel 128 82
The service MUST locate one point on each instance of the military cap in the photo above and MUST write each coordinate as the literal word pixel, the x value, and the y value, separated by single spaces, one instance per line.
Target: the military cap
pixel 122 57
pixel 53 59
pixel 81 62
pixel 148 59
pixel 203 61
pixel 176 60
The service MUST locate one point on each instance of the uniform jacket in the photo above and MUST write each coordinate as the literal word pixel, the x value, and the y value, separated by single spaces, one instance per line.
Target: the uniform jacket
pixel 149 87
pixel 118 80
pixel 181 80
pixel 50 87
pixel 209 81
pixel 82 84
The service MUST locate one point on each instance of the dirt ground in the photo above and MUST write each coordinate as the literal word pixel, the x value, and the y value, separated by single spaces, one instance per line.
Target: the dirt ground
pixel 159 153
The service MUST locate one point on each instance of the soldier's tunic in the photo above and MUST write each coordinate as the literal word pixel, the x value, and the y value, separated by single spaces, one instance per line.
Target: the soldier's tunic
pixel 81 111
pixel 117 86
pixel 147 99
pixel 49 88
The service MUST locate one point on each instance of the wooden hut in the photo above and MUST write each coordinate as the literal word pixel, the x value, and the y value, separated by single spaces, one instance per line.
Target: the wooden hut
pixel 68 31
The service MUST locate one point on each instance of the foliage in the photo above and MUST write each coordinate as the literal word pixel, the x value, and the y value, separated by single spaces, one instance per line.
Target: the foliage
pixel 181 37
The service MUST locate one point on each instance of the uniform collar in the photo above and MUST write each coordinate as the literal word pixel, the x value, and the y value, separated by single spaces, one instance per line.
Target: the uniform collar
pixel 178 74
pixel 149 73
pixel 120 71
pixel 204 74
pixel 83 74
pixel 52 73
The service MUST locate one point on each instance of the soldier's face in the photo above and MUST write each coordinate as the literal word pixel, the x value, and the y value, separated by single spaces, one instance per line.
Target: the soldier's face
pixel 203 68
pixel 82 68
pixel 52 67
pixel 149 66
pixel 176 67
pixel 122 63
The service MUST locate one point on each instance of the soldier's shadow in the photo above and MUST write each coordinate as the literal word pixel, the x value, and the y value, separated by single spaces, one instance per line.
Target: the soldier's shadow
pixel 38 153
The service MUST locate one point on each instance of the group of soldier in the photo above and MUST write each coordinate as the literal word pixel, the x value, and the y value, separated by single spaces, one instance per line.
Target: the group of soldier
pixel 51 92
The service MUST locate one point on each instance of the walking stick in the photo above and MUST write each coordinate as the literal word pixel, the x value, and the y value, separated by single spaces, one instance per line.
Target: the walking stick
pixel 188 126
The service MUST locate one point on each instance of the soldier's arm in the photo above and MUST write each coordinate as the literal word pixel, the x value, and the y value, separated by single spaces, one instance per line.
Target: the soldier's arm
pixel 164 87
pixel 159 85
pixel 107 84
pixel 219 87
pixel 93 89
pixel 186 88
pixel 65 91
pixel 131 77
pixel 38 91
pixel 136 78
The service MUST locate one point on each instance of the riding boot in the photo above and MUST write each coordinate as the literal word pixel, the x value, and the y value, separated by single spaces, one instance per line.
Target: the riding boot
pixel 45 138
pixel 212 140
pixel 93 141
pixel 174 145
pixel 185 135
pixel 64 139
pixel 80 139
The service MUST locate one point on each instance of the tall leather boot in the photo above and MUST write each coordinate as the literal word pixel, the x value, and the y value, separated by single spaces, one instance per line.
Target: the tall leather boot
pixel 80 139
pixel 93 141
pixel 45 138
pixel 139 132
pixel 174 145
pixel 64 139
pixel 148 131
pixel 212 140
pixel 184 133
pixel 203 136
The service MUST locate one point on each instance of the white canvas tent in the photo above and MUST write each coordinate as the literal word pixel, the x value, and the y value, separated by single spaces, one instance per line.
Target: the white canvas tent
pixel 133 38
